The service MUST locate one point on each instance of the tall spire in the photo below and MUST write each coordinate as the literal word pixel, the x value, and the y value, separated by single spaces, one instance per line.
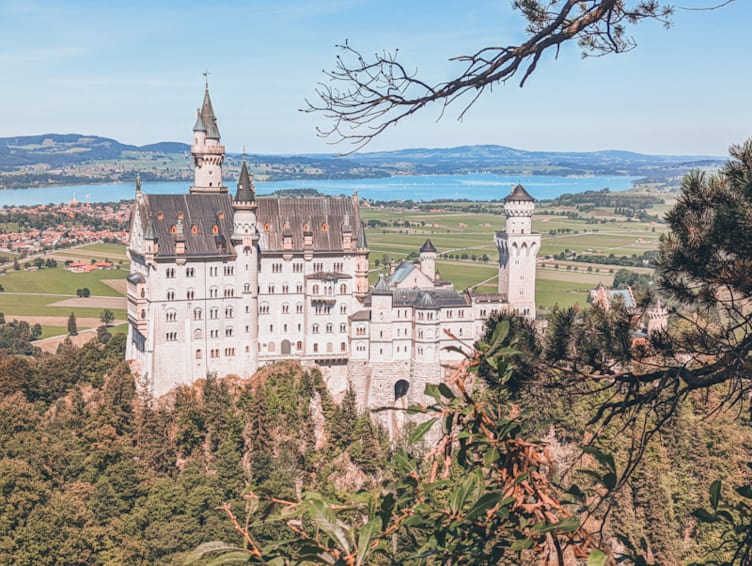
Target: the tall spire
pixel 246 192
pixel 208 117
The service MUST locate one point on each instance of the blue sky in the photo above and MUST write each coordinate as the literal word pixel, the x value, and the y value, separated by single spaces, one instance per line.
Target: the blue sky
pixel 132 71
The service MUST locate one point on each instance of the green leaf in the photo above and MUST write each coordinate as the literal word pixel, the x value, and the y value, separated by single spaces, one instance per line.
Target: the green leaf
pixel 715 494
pixel 483 504
pixel 445 391
pixel 597 558
pixel 432 390
pixel 745 491
pixel 421 429
pixel 704 516
pixel 364 538
pixel 609 481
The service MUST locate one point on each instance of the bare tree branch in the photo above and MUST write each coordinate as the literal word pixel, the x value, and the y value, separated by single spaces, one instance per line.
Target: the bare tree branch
pixel 363 97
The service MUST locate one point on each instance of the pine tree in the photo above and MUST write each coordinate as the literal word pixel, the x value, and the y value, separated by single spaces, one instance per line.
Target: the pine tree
pixel 72 326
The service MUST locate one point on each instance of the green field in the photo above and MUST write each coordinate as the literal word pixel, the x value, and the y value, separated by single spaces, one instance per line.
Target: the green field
pixel 60 281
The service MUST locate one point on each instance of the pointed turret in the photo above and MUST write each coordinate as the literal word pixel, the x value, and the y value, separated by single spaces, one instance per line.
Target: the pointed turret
pixel 208 117
pixel 245 192
pixel 362 243
pixel 199 126
pixel 519 194
pixel 208 153
pixel 428 247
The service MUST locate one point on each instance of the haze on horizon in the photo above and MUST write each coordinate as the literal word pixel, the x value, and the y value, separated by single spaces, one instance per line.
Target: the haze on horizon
pixel 133 72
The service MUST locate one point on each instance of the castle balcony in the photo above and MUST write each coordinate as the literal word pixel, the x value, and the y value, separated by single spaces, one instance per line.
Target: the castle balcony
pixel 208 149
pixel 323 299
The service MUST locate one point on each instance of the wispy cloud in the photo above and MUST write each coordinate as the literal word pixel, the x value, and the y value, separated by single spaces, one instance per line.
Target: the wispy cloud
pixel 29 56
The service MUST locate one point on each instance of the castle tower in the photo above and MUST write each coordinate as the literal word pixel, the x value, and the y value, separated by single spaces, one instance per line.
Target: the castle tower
pixel 657 315
pixel 208 153
pixel 245 241
pixel 428 260
pixel 518 247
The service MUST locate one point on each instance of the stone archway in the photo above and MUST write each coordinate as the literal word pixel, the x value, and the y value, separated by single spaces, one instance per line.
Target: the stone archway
pixel 286 347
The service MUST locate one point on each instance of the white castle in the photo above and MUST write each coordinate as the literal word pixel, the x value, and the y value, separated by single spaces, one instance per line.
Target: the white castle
pixel 222 284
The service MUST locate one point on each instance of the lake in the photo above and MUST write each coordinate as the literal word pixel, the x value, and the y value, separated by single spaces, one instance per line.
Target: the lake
pixel 474 186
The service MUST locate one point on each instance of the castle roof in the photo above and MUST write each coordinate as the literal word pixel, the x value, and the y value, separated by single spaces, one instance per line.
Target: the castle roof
pixel 199 126
pixel 519 194
pixel 381 288
pixel 362 242
pixel 322 217
pixel 246 192
pixel 205 219
pixel 427 247
pixel 208 117
pixel 404 269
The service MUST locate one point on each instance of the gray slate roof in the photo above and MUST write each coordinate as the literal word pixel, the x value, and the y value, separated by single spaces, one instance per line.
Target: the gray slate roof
pixel 203 211
pixel 323 217
pixel 433 299
pixel 428 247
pixel 519 194
pixel 246 191
pixel 208 117
pixel 404 269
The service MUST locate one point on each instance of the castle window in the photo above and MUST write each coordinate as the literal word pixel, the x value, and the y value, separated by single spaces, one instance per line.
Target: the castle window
pixel 299 288
pixel 343 347
pixel 343 309
pixel 267 227
pixel 229 270
pixel 215 229
pixel 228 312
pixel 143 293
pixel 171 295
pixel 264 308
pixel 285 308
pixel 343 289
pixel 189 294
pixel 199 355
pixel 173 229
pixel 198 334
pixel 171 316
pixel 330 327
pixel 400 389
pixel 194 230
pixel 315 289
pixel 229 352
pixel 271 288
pixel 143 314
pixel 246 288
pixel 299 345
pixel 271 347
pixel 171 336
pixel 214 313
pixel 329 347
pixel 271 328
pixel 343 327
pixel 228 332
pixel 213 292
pixel 299 308
pixel 315 348
pixel 170 272
pixel 315 329
pixel 229 292
pixel 324 227
pixel 190 272
pixel 285 289
pixel 338 266
pixel 360 331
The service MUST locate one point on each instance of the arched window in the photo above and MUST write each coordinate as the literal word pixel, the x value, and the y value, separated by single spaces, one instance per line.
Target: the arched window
pixel 343 289
pixel 400 389
pixel 315 289
pixel 315 348
pixel 199 354
pixel 299 345
pixel 272 347
pixel 343 347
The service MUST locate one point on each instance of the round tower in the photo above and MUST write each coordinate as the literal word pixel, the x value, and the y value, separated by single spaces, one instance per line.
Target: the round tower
pixel 428 260
pixel 245 241
pixel 518 248
pixel 208 153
